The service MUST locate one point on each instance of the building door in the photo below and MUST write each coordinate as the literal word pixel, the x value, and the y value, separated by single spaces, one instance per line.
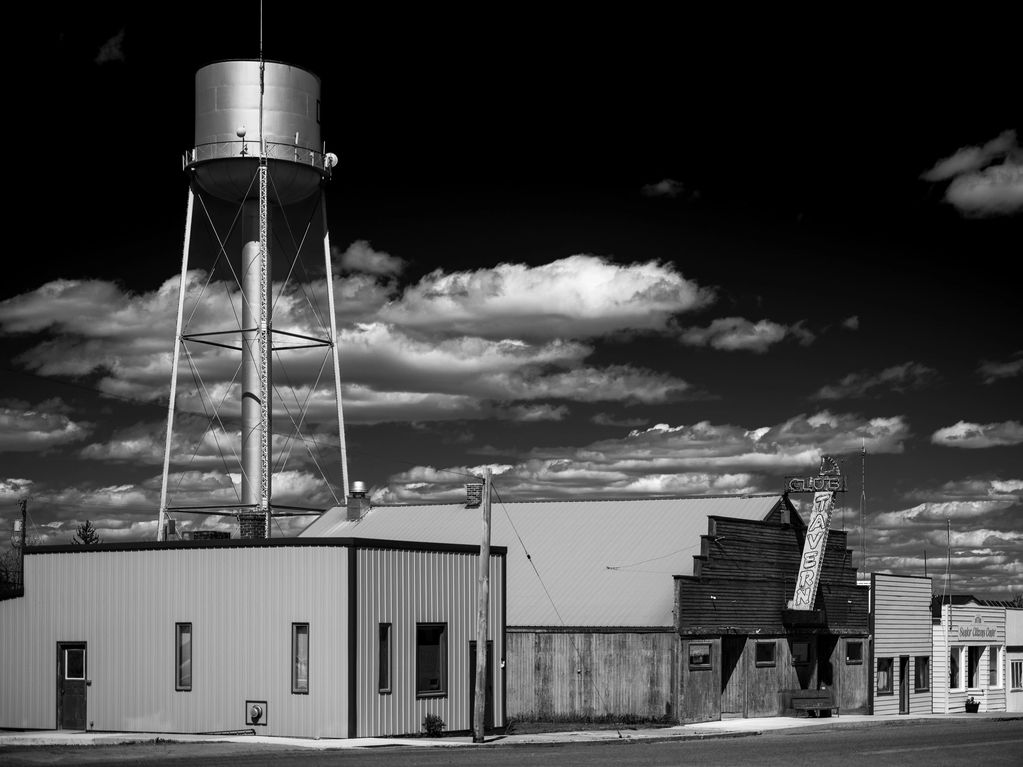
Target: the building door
pixel 733 676
pixel 71 684
pixel 903 684
pixel 488 700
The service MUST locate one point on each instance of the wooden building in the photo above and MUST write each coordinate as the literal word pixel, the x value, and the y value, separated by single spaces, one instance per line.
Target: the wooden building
pixel 743 652
pixel 901 662
pixel 333 638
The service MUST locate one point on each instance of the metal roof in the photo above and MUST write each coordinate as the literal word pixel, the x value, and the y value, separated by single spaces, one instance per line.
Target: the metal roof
pixel 605 563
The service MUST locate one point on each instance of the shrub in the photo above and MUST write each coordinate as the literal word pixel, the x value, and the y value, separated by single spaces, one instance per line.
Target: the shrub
pixel 433 725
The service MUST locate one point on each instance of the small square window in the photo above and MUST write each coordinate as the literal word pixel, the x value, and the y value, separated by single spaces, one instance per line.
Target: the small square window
pixel 431 660
pixel 300 658
pixel 765 653
pixel 699 655
pixel 922 673
pixel 800 653
pixel 183 657
pixel 853 652
pixel 885 683
pixel 74 663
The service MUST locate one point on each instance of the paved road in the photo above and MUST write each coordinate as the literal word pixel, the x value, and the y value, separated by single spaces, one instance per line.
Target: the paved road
pixel 990 743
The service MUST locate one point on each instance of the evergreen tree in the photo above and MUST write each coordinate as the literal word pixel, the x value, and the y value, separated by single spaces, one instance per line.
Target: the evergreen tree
pixel 87 535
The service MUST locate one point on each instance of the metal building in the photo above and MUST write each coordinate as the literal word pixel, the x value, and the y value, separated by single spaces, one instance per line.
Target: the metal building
pixel 342 637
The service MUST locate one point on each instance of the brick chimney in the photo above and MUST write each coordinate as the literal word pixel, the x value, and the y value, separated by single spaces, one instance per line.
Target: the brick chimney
pixel 252 526
pixel 473 495
pixel 358 503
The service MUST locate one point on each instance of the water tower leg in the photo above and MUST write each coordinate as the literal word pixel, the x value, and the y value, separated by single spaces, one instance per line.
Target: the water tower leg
pixel 336 355
pixel 161 533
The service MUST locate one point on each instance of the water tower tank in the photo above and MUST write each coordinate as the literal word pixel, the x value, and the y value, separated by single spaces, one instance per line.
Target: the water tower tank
pixel 225 156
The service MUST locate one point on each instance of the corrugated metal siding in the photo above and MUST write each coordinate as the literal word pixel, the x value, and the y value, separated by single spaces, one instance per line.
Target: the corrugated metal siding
pixel 241 603
pixel 405 588
pixel 604 563
pixel 574 675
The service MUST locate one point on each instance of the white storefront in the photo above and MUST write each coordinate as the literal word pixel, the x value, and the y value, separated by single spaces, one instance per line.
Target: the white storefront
pixel 970 658
pixel 1014 658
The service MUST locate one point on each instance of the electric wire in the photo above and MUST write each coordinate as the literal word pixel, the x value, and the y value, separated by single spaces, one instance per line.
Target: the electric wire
pixel 557 612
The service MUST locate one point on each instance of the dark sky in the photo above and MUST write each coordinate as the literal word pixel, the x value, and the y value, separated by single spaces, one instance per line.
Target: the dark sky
pixel 802 170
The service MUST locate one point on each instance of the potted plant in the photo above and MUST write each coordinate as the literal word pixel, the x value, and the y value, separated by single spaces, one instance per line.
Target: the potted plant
pixel 972 705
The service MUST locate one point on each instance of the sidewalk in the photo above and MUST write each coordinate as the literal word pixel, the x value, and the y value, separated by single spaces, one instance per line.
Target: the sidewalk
pixel 726 728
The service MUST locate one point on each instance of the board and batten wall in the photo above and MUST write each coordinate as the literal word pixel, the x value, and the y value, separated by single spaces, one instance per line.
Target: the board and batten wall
pixel 583 674
pixel 901 626
pixel 404 588
pixel 241 602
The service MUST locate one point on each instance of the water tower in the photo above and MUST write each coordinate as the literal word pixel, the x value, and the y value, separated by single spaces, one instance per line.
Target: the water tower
pixel 257 154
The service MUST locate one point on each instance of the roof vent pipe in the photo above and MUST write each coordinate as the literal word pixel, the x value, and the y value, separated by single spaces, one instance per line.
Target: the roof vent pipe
pixel 358 503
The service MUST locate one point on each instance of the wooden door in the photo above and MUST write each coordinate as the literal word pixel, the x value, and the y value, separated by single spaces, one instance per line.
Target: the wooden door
pixel 71 685
pixel 733 676
pixel 904 684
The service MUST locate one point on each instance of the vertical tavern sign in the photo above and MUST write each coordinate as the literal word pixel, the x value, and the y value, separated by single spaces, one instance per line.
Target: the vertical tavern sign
pixel 824 486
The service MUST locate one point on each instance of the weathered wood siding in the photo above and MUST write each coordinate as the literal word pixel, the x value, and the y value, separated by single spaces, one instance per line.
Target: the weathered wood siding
pixel 750 569
pixel 744 578
pixel 901 626
pixel 577 675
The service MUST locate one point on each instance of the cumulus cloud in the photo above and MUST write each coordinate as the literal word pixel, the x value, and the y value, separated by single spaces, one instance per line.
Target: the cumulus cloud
pixel 971 158
pixel 29 428
pixel 975 435
pixel 112 49
pixel 739 334
pixel 991 371
pixel 909 376
pixel 980 185
pixel 361 257
pixel 580 296
pixel 667 187
pixel 482 361
pixel 700 458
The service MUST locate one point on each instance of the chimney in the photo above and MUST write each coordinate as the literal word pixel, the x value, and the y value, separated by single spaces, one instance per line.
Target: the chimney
pixel 358 503
pixel 252 526
pixel 473 495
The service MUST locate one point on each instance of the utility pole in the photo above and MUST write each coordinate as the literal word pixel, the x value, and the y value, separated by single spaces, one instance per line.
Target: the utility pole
pixel 23 503
pixel 483 607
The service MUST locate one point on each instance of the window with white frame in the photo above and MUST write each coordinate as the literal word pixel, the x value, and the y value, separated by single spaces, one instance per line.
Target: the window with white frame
pixel 994 666
pixel 922 673
pixel 1016 674
pixel 183 657
pixel 885 683
pixel 955 668
pixel 300 658
pixel 973 656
